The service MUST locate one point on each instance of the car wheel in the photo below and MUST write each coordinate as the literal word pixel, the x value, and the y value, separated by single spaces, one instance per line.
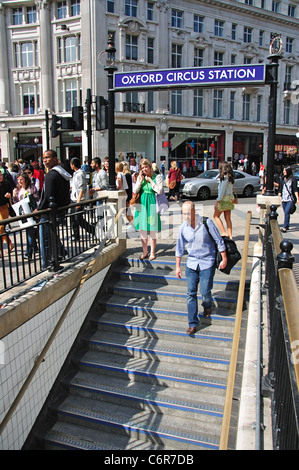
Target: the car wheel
pixel 248 191
pixel 203 193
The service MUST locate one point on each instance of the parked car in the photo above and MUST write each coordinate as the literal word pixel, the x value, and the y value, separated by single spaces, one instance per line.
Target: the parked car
pixel 205 185
pixel 296 176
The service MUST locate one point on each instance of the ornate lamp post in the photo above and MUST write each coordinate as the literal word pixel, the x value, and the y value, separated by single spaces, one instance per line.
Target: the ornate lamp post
pixel 275 55
pixel 111 68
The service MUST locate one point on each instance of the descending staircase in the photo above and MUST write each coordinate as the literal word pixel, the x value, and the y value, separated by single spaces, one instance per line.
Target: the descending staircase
pixel 140 382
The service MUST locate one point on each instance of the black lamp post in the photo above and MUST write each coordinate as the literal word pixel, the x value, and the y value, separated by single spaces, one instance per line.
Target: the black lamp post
pixel 111 68
pixel 275 55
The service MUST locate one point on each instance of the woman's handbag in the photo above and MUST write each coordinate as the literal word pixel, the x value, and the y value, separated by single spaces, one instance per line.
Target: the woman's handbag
pixel 232 252
pixel 135 199
pixel 162 203
pixel 293 208
pixel 172 184
pixel 226 204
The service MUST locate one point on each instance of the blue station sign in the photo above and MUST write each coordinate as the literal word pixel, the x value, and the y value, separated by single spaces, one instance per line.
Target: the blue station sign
pixel 233 75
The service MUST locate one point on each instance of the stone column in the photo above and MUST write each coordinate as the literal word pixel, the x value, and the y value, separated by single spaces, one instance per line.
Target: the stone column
pixel 45 55
pixel 4 79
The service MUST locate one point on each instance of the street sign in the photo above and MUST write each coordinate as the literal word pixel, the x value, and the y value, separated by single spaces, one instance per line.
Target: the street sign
pixel 233 75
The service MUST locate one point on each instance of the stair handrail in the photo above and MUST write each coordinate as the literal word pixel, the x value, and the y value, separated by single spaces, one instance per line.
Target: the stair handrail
pixel 235 344
pixel 57 327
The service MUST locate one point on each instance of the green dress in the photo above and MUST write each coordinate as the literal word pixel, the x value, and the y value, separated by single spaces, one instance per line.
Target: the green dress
pixel 146 216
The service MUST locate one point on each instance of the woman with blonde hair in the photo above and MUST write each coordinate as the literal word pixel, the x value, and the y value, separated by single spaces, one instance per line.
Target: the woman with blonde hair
pixel 225 200
pixel 147 219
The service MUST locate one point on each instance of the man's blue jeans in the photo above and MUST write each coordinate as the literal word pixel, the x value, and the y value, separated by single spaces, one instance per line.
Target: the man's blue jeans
pixel 205 279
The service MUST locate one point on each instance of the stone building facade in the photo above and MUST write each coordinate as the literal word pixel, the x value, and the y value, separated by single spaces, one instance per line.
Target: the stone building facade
pixel 52 52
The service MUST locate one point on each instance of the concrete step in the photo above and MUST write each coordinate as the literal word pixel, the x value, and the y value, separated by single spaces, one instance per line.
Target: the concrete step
pixel 142 396
pixel 144 369
pixel 154 291
pixel 212 350
pixel 170 311
pixel 167 276
pixel 144 425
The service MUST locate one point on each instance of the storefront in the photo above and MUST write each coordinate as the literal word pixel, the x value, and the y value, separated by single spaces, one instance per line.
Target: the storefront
pixel 249 146
pixel 286 151
pixel 193 150
pixel 28 147
pixel 137 142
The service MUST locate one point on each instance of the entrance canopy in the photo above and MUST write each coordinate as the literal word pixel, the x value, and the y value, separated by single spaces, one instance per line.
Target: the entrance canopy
pixel 233 76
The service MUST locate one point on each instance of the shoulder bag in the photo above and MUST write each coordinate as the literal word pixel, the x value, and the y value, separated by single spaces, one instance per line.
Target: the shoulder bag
pixel 293 208
pixel 232 252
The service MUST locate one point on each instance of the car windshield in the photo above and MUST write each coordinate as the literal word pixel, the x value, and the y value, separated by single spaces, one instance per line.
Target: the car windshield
pixel 208 175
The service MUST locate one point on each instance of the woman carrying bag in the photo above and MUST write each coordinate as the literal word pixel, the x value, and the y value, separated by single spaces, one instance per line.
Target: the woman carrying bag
pixel 174 181
pixel 289 196
pixel 225 200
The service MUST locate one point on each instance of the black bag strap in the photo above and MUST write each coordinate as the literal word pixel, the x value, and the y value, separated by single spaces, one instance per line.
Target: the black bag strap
pixel 291 196
pixel 205 222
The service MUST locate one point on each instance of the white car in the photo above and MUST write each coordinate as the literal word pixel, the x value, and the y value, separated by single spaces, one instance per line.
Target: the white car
pixel 206 184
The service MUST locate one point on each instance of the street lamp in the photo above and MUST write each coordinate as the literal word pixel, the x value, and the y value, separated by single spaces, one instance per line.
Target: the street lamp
pixel 297 153
pixel 111 68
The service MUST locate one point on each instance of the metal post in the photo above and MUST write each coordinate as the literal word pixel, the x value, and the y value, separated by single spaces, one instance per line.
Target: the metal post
pixel 275 55
pixel 47 129
pixel 88 132
pixel 111 68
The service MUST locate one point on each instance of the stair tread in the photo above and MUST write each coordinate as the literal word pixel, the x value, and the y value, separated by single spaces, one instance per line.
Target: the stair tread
pixel 199 351
pixel 160 306
pixel 184 400
pixel 144 366
pixel 145 421
pixel 175 327
pixel 74 437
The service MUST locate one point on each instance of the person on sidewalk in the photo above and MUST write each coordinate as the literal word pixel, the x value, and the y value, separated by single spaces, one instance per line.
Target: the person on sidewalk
pixel 57 185
pixel 80 191
pixel 225 199
pixel 200 266
pixel 289 196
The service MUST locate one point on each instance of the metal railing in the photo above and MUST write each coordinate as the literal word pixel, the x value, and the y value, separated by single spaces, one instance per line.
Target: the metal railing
pixel 281 383
pixel 235 346
pixel 54 236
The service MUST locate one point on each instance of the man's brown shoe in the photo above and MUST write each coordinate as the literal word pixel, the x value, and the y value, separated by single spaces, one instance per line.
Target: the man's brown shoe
pixel 207 312
pixel 191 330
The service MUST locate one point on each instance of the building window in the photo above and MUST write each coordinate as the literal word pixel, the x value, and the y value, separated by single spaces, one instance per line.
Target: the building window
pixel 198 103
pixel 150 50
pixel 259 108
pixel 31 15
pixel 70 94
pixel 233 58
pixel 288 78
pixel 17 16
pixel 249 2
pixel 131 8
pixel 198 23
pixel 246 107
pixel 61 10
pixel 247 34
pixel 69 49
pixel 150 101
pixel 110 6
pixel 247 60
pixel 218 58
pixel 232 105
pixel 261 38
pixel 176 102
pixel 150 11
pixel 275 6
pixel 176 19
pixel 234 31
pixel 75 7
pixel 176 56
pixel 219 28
pixel 217 104
pixel 291 10
pixel 286 111
pixel 289 44
pixel 198 57
pixel 29 105
pixel 26 54
pixel 131 47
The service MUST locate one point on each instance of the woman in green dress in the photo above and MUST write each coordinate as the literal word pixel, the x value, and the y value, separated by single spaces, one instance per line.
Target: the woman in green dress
pixel 147 219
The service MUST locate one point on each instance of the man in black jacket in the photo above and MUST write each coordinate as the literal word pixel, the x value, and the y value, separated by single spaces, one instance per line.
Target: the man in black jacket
pixel 56 185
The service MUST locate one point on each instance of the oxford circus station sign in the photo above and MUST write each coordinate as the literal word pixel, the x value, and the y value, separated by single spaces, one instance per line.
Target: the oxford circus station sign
pixel 195 76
